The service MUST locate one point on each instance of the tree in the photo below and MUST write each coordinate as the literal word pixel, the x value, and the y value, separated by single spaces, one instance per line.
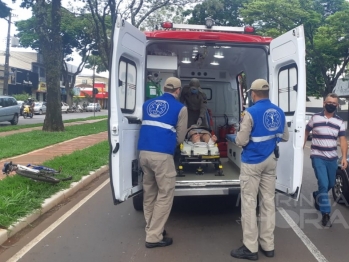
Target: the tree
pixel 95 61
pixel 326 24
pixel 104 12
pixel 4 10
pixel 76 36
pixel 175 14
pixel 48 28
pixel 224 12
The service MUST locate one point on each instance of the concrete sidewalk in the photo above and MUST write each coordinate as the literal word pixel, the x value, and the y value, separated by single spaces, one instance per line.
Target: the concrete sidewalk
pixel 47 153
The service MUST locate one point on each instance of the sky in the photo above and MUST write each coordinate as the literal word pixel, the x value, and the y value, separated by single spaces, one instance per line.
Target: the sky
pixel 23 14
pixel 19 14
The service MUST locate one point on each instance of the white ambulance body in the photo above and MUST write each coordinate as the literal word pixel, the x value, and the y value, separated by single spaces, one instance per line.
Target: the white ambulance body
pixel 217 56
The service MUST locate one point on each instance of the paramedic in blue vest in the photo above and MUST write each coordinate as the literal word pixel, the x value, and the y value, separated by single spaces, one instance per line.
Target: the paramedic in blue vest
pixel 164 126
pixel 263 125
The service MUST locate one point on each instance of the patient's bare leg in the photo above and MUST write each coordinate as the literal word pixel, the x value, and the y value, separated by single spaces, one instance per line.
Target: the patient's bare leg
pixel 205 138
pixel 195 138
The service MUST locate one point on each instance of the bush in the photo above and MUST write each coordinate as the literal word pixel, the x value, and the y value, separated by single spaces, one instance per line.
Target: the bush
pixel 21 97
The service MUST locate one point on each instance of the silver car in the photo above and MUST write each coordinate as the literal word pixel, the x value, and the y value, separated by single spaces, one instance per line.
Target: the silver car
pixel 308 116
pixel 9 109
pixel 94 107
pixel 39 108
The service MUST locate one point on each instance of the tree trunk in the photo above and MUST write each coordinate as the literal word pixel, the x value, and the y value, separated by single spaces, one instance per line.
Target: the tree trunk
pixel 53 119
pixel 51 46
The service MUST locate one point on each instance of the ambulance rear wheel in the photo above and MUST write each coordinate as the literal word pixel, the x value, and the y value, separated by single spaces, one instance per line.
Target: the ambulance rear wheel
pixel 138 202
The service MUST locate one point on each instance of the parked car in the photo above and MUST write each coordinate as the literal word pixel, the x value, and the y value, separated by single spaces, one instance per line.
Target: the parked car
pixel 94 107
pixel 20 103
pixel 340 191
pixel 308 116
pixel 39 108
pixel 65 107
pixel 9 109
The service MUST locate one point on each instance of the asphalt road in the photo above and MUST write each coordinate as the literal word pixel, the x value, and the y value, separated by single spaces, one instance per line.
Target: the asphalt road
pixel 203 229
pixel 40 118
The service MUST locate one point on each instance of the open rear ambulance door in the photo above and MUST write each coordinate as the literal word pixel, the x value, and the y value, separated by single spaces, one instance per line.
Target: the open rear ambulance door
pixel 288 91
pixel 126 97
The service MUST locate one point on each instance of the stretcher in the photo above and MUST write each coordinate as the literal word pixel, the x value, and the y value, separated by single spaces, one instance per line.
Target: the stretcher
pixel 199 154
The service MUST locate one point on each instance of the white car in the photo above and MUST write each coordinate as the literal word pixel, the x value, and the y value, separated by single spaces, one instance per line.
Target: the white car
pixel 65 107
pixel 93 107
pixel 39 108
pixel 20 103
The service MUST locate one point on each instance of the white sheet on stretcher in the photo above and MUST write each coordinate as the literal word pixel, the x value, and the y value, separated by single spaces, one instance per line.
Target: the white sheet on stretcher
pixel 199 148
pixel 199 144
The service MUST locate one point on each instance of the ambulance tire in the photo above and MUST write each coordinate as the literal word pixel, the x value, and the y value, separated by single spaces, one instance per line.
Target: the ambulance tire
pixel 138 202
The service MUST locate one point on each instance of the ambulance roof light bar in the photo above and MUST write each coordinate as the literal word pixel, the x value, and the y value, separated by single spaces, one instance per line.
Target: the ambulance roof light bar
pixel 246 29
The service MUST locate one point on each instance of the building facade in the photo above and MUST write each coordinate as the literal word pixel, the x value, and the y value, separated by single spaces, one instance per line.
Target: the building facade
pixel 83 89
pixel 28 75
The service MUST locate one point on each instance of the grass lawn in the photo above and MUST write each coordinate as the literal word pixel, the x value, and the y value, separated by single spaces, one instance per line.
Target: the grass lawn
pixel 17 144
pixel 20 196
pixel 11 128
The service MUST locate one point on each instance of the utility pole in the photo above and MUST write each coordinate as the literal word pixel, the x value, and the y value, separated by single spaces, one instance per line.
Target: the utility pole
pixel 7 57
pixel 93 91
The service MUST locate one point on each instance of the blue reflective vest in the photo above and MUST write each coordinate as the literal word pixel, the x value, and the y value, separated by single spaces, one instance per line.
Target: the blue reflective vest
pixel 158 131
pixel 268 128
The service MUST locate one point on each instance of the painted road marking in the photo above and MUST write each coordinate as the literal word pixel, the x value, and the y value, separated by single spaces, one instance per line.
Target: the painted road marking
pixel 307 242
pixel 48 230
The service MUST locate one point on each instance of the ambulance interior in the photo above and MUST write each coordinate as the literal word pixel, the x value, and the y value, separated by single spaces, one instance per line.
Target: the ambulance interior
pixel 218 67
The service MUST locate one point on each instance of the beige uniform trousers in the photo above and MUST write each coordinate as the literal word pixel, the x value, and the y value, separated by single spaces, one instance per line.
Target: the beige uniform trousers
pixel 158 187
pixel 258 179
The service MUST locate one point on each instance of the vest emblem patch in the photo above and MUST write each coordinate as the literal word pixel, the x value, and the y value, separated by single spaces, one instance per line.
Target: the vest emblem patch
pixel 158 108
pixel 272 119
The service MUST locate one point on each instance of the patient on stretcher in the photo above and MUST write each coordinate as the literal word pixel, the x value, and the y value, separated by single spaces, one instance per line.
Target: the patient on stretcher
pixel 196 135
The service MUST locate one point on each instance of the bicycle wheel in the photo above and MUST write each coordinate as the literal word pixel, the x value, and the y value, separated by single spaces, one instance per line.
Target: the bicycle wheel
pixel 38 176
pixel 66 178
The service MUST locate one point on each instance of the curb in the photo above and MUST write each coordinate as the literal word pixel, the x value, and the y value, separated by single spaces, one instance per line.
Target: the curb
pixel 49 203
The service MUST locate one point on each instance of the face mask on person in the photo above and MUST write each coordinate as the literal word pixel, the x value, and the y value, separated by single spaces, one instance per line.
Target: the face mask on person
pixel 330 108
pixel 194 90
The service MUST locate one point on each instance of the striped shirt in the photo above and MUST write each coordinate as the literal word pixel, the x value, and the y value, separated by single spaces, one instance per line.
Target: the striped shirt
pixel 325 134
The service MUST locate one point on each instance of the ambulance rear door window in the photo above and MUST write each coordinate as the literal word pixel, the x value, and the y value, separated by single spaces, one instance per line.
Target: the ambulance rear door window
pixel 287 83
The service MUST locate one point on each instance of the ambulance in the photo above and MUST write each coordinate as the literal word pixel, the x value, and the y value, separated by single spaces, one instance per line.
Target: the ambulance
pixel 218 56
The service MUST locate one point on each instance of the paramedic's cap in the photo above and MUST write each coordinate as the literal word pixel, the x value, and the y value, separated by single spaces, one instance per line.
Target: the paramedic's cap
pixel 259 84
pixel 172 83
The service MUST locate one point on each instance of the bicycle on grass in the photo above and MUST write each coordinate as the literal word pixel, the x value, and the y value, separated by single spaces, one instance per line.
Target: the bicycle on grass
pixel 38 173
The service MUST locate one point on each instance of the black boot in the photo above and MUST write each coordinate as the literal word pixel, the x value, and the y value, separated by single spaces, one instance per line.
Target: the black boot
pixel 267 253
pixel 244 253
pixel 326 220
pixel 166 241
